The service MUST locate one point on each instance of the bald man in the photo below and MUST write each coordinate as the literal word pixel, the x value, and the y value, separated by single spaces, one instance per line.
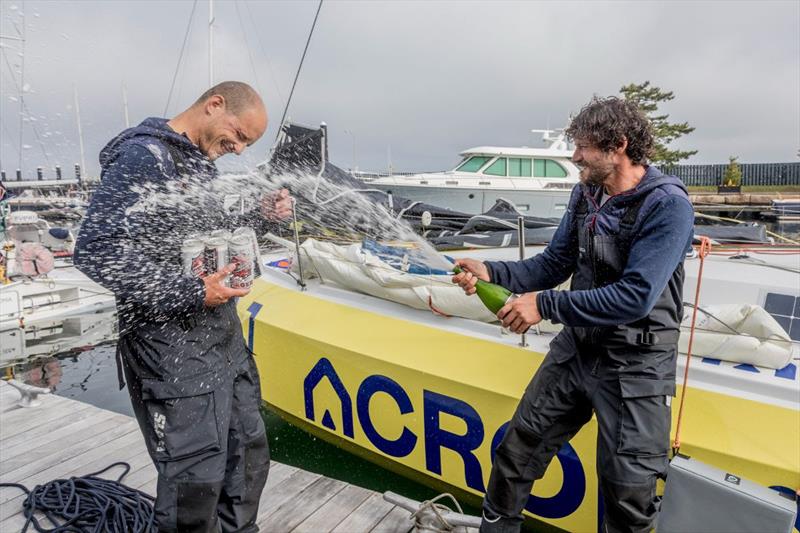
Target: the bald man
pixel 193 383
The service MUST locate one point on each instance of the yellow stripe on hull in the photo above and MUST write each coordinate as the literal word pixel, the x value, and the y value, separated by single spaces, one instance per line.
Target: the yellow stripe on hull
pixel 433 400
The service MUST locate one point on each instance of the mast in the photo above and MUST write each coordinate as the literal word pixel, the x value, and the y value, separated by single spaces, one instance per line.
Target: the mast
pixel 80 130
pixel 125 105
pixel 210 43
pixel 22 88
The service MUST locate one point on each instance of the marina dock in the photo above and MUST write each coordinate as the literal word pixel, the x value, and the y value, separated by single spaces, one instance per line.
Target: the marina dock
pixel 62 438
pixel 757 201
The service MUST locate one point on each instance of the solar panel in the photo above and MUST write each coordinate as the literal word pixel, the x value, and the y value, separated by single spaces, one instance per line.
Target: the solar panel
pixel 785 308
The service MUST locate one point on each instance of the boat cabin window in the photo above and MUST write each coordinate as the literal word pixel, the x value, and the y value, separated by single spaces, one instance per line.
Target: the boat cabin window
pixel 519 167
pixel 547 168
pixel 473 164
pixel 498 168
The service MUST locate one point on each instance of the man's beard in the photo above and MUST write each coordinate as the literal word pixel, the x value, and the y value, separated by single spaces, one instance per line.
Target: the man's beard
pixel 597 174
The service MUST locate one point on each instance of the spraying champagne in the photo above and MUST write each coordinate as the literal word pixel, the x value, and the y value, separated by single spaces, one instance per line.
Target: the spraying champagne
pixel 494 297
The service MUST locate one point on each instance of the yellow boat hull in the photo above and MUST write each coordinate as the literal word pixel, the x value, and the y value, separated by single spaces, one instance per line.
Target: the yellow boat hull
pixel 437 402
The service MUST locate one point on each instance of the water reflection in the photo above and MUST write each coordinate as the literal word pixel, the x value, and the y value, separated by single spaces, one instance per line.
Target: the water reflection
pixel 45 373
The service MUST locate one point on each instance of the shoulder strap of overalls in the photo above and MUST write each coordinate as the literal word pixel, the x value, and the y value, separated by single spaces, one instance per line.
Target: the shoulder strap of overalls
pixel 628 220
pixel 177 157
pixel 626 225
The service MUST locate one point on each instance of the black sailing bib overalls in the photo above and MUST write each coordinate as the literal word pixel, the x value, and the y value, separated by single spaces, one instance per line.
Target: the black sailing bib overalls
pixel 625 374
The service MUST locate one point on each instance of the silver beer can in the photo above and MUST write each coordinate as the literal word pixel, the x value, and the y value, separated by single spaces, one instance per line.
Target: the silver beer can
pixel 225 234
pixel 193 258
pixel 251 236
pixel 241 254
pixel 215 254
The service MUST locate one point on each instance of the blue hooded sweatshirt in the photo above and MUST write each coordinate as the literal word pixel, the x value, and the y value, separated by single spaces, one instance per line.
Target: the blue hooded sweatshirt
pixel 662 235
pixel 133 252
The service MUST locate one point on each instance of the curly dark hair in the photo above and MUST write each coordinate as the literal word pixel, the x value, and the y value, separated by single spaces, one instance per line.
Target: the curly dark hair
pixel 606 122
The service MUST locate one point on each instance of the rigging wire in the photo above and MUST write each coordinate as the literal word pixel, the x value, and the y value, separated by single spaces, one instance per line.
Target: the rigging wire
pixel 247 46
pixel 21 33
pixel 8 133
pixel 180 56
pixel 27 111
pixel 297 74
pixel 264 53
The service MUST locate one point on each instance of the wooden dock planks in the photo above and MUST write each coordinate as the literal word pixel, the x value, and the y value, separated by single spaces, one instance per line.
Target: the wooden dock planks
pixel 63 438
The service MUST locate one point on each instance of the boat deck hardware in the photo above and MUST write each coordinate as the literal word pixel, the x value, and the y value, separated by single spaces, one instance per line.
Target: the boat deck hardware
pixel 435 517
pixel 29 393
pixel 523 341
pixel 301 281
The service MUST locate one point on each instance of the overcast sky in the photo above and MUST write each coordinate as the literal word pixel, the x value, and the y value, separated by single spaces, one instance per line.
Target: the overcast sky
pixel 415 81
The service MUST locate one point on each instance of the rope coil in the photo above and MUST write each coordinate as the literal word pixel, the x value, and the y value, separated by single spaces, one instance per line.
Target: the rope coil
pixel 88 503
pixel 431 515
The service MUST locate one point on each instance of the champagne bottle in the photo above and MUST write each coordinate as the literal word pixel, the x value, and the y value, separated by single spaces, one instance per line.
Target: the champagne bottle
pixel 494 297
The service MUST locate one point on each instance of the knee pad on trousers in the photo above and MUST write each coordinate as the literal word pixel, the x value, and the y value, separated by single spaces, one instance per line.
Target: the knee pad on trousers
pixel 521 450
pixel 256 465
pixel 184 506
pixel 515 467
pixel 239 503
pixel 630 507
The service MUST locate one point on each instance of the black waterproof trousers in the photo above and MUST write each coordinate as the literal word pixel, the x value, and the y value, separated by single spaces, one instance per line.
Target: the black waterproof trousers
pixel 633 421
pixel 199 414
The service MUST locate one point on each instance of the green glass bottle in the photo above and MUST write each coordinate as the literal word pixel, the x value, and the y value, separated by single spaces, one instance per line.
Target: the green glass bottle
pixel 494 297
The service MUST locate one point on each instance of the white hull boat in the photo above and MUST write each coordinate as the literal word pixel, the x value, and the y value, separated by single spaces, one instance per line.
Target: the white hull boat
pixel 538 181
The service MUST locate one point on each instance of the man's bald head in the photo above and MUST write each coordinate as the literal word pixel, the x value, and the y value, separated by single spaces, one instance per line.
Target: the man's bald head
pixel 238 96
pixel 226 119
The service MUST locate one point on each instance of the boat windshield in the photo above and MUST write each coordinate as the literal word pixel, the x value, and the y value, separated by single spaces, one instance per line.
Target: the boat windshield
pixel 473 164
pixel 547 168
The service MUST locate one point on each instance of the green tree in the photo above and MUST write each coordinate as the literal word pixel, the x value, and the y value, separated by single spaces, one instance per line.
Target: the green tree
pixel 733 174
pixel 648 98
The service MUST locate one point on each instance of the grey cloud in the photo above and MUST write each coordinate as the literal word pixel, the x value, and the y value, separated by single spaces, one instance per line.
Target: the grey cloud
pixel 423 79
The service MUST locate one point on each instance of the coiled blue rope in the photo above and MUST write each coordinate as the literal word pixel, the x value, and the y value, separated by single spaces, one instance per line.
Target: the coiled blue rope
pixel 89 504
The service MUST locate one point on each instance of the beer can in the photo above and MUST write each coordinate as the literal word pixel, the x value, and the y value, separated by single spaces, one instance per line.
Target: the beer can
pixel 251 236
pixel 241 253
pixel 193 258
pixel 225 234
pixel 215 254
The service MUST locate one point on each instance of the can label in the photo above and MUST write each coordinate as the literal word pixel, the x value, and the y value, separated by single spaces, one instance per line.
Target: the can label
pixel 215 255
pixel 193 258
pixel 241 253
pixel 251 236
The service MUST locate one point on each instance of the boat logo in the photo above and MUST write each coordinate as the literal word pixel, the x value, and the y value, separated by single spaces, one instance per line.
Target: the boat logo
pixel 433 437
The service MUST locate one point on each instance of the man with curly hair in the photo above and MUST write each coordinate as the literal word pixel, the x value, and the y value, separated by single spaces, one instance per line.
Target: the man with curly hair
pixel 623 240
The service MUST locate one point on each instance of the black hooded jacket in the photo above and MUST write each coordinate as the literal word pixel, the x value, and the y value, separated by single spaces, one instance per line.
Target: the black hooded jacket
pixel 131 237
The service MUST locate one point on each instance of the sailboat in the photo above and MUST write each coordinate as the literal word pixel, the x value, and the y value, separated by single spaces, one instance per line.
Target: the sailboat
pixel 406 371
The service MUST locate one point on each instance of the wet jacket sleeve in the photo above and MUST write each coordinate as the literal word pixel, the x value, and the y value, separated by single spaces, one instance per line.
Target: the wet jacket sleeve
pixel 660 245
pixel 545 270
pixel 109 245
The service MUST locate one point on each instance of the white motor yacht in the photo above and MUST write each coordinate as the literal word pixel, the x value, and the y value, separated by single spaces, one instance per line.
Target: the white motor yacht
pixel 537 180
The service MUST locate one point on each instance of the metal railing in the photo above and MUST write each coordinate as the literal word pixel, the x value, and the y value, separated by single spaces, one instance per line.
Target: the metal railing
pixel 753 174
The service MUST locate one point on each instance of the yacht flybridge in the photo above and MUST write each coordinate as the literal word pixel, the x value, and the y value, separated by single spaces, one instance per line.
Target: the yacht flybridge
pixel 537 180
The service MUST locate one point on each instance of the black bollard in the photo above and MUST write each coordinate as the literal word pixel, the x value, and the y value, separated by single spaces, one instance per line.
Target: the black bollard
pixel 2 175
pixel 58 172
pixel 39 173
pixel 78 172
pixel 19 175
